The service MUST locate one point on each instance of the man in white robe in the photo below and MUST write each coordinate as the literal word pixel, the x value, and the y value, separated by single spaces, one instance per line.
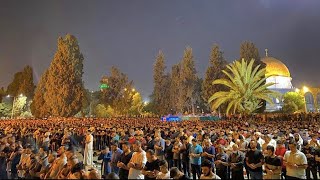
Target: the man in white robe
pixel 88 150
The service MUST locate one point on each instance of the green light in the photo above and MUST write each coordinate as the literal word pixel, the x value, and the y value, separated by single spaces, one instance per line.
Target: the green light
pixel 104 86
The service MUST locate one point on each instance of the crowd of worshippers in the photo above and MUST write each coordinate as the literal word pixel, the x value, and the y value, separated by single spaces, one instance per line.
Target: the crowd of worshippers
pixel 277 147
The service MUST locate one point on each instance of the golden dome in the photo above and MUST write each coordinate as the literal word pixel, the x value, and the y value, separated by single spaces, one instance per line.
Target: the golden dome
pixel 275 67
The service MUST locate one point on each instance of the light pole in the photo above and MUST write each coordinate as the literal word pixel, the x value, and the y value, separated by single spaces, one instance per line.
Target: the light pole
pixel 305 89
pixel 13 103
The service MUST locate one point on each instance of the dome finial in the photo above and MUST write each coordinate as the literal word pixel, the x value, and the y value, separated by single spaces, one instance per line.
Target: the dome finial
pixel 266 50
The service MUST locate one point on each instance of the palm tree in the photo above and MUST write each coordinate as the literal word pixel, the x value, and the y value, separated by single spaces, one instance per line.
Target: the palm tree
pixel 247 88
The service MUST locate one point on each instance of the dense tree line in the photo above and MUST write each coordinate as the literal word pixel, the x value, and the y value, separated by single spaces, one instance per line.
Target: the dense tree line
pixel 178 89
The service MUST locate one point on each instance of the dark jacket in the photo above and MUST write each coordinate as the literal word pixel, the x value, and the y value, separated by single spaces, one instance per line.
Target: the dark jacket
pixel 185 152
pixel 3 167
pixel 15 161
pixel 238 159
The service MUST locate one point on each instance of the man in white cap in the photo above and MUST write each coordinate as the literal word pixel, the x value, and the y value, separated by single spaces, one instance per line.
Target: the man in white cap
pixel 260 141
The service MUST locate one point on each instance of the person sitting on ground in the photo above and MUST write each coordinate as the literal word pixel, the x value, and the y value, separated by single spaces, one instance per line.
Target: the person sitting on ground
pixel 175 173
pixel 207 173
pixel 63 174
pixel 58 164
pixel 93 174
pixel 164 172
pixel 112 176
pixel 77 172
pixel 46 164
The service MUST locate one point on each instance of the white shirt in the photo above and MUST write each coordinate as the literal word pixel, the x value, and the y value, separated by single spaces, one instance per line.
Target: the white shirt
pixel 190 139
pixel 214 176
pixel 137 158
pixel 298 158
pixel 163 176
pixel 229 148
pixel 312 143
pixel 46 138
pixel 273 143
pixel 244 144
pixel 261 141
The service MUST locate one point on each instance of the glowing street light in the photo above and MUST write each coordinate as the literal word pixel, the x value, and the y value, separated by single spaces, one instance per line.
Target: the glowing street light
pixel 133 90
pixel 305 90
pixel 13 103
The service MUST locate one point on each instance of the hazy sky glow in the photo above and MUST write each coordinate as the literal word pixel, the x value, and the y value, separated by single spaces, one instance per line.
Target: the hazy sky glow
pixel 128 34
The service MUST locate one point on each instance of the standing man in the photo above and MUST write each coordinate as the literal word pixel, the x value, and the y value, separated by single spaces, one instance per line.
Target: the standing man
pixel 221 163
pixel 310 153
pixel 296 162
pixel 152 168
pixel 115 158
pixel 88 149
pixel 46 140
pixel 150 142
pixel 137 162
pixel 317 158
pixel 3 165
pixel 272 164
pixel 159 147
pixel 314 142
pixel 185 156
pixel 254 161
pixel 195 155
pixel 168 153
pixel 124 160
pixel 209 152
pixel 176 153
pixel 236 160
pixel 105 156
pixel 15 159
pixel 280 151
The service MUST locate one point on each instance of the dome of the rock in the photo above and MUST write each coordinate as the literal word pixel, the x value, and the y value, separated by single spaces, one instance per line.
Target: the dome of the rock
pixel 275 67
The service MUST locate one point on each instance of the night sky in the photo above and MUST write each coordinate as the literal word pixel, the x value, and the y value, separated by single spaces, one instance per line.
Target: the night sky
pixel 128 34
